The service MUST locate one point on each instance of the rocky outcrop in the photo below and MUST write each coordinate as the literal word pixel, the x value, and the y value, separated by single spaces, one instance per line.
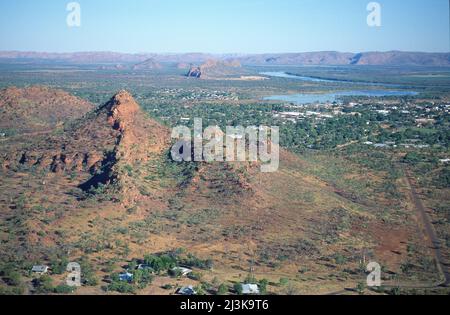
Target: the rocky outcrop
pixel 114 137
pixel 214 68
pixel 195 72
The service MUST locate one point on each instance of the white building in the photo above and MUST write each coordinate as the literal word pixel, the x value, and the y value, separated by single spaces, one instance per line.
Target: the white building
pixel 40 269
pixel 250 289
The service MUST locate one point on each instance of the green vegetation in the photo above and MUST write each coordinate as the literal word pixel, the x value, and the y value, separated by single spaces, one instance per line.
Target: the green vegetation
pixel 223 289
pixel 238 288
pixel 363 150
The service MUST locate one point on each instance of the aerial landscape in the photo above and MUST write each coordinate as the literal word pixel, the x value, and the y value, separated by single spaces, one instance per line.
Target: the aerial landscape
pixel 94 200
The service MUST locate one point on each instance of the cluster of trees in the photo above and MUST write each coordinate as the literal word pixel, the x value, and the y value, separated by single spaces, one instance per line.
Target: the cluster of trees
pixel 161 263
pixel 140 280
pixel 13 279
pixel 167 261
pixel 303 134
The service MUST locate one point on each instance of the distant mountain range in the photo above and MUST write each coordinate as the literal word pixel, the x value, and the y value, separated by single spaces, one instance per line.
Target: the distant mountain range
pixel 392 58
pixel 149 64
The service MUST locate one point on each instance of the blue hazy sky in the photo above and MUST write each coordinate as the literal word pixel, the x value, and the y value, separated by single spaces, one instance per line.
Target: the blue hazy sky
pixel 224 26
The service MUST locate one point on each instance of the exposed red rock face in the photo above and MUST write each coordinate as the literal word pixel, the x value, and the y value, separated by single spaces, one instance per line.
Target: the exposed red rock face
pixel 116 135
pixel 122 107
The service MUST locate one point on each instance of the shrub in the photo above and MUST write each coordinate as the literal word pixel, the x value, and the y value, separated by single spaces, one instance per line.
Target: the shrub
pixel 197 276
pixel 13 278
pixel 284 281
pixel 12 290
pixel 175 273
pixel 121 287
pixel 43 284
pixel 222 290
pixel 129 170
pixel 193 261
pixel 360 288
pixel 87 273
pixel 167 287
pixel 263 286
pixel 200 290
pixel 59 267
pixel 64 289
pixel 238 288
pixel 142 278
pixel 340 259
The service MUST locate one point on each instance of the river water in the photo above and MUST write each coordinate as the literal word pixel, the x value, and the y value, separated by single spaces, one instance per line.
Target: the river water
pixel 307 98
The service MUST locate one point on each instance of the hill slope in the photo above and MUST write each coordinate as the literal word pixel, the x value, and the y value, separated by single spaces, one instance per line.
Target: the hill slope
pixel 102 144
pixel 38 108
pixel 106 189
pixel 149 64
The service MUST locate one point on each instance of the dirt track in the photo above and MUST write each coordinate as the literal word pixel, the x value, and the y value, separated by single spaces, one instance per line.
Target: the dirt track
pixel 429 232
pixel 430 235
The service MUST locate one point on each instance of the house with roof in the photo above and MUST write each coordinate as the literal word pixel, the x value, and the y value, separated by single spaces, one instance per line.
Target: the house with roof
pixel 250 289
pixel 40 269
pixel 181 271
pixel 189 290
pixel 128 277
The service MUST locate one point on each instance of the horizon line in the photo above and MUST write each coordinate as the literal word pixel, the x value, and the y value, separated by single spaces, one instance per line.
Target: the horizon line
pixel 222 53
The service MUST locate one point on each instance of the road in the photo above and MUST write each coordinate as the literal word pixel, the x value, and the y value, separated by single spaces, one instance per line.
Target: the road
pixel 429 231
pixel 431 237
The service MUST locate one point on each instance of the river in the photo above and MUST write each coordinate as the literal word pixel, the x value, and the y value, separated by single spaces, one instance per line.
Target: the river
pixel 307 98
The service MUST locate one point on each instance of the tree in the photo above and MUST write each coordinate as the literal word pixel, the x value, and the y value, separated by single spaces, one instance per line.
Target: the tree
pixel 360 288
pixel 195 276
pixel 284 281
pixel 13 278
pixel 142 278
pixel 58 267
pixel 238 288
pixel 43 284
pixel 64 289
pixel 122 287
pixel 395 291
pixel 160 263
pixel 223 289
pixel 263 286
